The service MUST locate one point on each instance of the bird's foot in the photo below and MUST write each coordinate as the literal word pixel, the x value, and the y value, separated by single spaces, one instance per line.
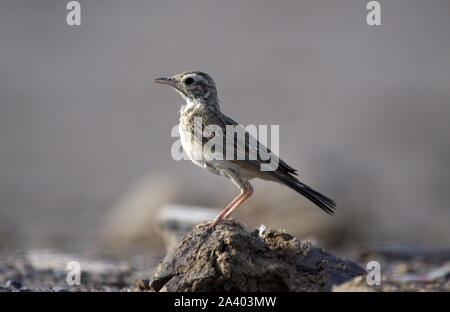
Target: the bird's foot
pixel 205 224
pixel 208 225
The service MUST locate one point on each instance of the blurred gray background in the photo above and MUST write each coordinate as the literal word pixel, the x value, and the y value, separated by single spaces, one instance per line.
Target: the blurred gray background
pixel 363 111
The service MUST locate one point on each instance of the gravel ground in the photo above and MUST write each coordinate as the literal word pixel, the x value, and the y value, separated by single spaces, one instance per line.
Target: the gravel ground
pixel 46 270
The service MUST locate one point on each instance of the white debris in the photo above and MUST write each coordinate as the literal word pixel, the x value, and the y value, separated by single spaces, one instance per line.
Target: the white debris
pixel 262 229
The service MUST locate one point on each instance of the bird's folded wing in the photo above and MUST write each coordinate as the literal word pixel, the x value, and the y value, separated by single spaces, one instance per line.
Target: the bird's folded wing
pixel 247 147
pixel 239 145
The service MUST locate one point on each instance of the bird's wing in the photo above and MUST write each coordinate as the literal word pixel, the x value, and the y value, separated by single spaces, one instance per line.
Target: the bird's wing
pixel 283 173
pixel 247 145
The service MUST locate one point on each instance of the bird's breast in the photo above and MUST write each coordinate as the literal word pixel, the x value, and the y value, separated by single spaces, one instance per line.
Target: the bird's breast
pixel 192 148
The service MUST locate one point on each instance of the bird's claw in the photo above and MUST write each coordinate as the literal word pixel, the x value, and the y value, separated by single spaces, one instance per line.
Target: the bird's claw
pixel 209 225
pixel 206 224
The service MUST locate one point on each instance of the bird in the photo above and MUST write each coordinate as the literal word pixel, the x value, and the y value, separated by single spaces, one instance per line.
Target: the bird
pixel 202 104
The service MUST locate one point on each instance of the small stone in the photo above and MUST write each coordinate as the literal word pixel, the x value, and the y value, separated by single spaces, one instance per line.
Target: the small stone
pixel 13 284
pixel 142 285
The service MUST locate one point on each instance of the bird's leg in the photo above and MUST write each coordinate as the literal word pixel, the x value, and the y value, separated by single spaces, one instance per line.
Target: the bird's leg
pixel 226 213
pixel 221 215
pixel 247 193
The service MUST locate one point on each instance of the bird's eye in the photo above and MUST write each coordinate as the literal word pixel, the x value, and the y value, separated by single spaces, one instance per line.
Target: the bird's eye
pixel 188 81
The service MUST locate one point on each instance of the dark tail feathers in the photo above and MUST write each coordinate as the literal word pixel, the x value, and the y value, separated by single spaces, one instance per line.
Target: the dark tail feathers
pixel 323 202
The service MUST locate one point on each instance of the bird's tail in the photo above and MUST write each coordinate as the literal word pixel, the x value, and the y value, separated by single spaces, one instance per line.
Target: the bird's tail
pixel 323 202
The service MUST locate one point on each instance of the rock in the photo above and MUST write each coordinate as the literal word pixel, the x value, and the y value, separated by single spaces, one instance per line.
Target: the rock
pixel 231 258
pixel 142 285
pixel 12 284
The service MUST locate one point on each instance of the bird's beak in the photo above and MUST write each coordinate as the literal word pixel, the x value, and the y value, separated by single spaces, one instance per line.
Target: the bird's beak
pixel 168 81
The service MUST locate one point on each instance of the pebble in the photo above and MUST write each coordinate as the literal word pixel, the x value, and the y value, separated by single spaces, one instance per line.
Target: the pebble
pixel 12 284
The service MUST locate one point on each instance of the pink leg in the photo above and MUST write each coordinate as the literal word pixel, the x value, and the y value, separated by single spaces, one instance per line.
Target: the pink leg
pixel 247 194
pixel 225 214
pixel 221 215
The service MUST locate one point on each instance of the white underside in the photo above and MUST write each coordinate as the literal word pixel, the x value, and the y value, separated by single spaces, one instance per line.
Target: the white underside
pixel 224 168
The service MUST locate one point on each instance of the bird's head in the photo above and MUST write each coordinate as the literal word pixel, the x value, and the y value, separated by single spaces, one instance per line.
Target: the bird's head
pixel 194 86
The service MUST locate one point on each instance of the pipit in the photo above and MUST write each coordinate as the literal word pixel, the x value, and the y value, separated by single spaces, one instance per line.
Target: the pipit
pixel 199 91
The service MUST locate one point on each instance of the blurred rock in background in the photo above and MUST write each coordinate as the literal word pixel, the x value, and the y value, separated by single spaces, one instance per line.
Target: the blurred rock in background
pixel 144 217
pixel 175 221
